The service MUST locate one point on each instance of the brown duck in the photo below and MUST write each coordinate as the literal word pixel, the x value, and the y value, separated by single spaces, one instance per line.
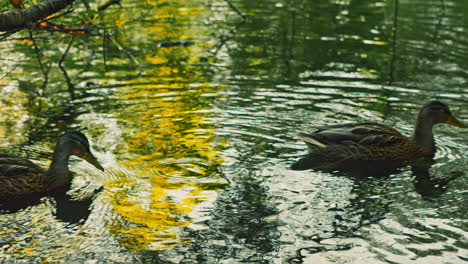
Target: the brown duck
pixel 21 179
pixel 367 142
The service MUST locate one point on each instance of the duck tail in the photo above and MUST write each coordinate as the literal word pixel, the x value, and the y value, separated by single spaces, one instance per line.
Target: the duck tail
pixel 302 164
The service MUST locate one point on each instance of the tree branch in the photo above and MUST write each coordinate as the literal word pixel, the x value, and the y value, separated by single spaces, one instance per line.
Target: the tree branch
pixel 24 18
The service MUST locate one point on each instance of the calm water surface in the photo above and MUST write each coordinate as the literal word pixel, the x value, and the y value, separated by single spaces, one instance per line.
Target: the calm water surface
pixel 197 139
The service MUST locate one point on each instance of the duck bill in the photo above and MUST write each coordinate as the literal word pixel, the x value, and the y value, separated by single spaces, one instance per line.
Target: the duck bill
pixel 454 122
pixel 92 160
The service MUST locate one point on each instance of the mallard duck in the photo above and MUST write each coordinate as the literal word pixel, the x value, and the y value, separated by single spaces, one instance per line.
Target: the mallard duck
pixel 21 178
pixel 365 142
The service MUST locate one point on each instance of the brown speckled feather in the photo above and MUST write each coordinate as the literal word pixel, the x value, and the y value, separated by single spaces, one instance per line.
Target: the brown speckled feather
pixel 362 141
pixel 20 176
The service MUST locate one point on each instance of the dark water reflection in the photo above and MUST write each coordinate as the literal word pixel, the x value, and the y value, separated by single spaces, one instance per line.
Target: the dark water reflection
pixel 197 140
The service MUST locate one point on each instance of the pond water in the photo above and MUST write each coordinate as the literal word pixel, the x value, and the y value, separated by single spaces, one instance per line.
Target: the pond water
pixel 192 108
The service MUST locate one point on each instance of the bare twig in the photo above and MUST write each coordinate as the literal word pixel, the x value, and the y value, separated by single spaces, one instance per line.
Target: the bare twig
pixel 70 10
pixel 45 71
pixel 233 7
pixel 71 87
pixel 104 45
pixel 53 27
pixel 9 71
pixel 122 49
pixel 225 39
pixel 109 3
pixel 394 39
pixel 86 4
pixel 7 34
pixel 439 24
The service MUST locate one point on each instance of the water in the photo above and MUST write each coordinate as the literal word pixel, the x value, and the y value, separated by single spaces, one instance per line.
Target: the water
pixel 197 139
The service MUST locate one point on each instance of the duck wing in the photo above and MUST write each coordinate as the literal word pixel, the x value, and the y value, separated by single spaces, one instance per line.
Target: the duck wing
pixel 20 177
pixel 366 134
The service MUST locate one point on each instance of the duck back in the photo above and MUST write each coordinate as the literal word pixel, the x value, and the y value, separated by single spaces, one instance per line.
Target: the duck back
pixel 20 177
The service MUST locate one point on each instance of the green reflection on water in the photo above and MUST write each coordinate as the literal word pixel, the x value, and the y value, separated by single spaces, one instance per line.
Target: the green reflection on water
pixel 165 165
pixel 293 64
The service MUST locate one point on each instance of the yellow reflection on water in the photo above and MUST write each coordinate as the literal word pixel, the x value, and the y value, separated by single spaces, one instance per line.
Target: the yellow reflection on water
pixel 171 145
pixel 12 101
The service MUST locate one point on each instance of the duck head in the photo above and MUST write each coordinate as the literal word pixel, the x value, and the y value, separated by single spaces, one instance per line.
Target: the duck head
pixel 75 143
pixel 436 112
pixel 432 113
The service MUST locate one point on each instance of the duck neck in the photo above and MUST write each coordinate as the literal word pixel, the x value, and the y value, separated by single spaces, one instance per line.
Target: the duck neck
pixel 58 170
pixel 423 135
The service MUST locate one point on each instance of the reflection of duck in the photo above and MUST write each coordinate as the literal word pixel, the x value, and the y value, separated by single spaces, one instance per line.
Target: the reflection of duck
pixel 21 178
pixel 332 145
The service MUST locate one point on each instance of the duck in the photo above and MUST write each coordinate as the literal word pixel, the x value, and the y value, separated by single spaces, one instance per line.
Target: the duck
pixel 364 142
pixel 21 179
